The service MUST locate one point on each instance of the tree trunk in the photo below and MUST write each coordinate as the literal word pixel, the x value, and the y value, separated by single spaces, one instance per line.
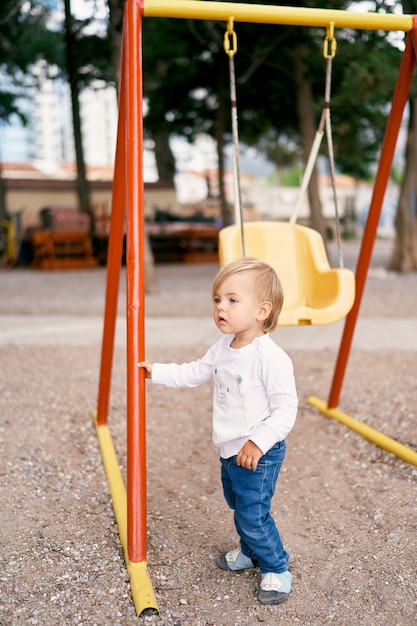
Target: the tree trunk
pixel 225 213
pixel 82 182
pixel 404 254
pixel 3 202
pixel 3 216
pixel 307 125
pixel 116 10
pixel 165 160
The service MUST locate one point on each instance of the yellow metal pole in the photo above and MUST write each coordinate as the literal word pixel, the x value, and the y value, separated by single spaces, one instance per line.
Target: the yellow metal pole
pixel 140 582
pixel 295 16
pixel 369 433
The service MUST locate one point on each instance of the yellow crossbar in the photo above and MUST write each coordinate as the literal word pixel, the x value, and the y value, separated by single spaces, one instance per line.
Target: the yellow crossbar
pixel 369 433
pixel 264 14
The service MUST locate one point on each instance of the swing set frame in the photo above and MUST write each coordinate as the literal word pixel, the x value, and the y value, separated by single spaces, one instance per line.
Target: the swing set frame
pixel 128 208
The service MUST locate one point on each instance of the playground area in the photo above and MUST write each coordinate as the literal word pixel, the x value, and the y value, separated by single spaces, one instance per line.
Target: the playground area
pixel 346 509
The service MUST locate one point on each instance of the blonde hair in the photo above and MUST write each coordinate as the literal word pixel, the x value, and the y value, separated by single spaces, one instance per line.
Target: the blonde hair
pixel 266 285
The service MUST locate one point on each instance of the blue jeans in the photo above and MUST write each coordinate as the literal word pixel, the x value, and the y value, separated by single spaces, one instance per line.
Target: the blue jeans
pixel 249 494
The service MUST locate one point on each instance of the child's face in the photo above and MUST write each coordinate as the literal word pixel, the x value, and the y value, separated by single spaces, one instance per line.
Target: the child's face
pixel 236 310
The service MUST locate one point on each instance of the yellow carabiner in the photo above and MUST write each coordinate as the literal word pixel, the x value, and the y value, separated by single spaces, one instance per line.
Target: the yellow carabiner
pixel 330 41
pixel 230 39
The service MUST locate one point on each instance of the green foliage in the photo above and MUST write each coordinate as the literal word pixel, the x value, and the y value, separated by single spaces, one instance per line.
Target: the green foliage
pixel 186 76
pixel 365 72
pixel 397 176
pixel 292 177
pixel 24 39
pixel 186 83
pixel 178 77
pixel 27 36
pixel 90 50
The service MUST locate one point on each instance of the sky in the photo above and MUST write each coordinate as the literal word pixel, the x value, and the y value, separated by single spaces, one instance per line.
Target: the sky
pixel 84 8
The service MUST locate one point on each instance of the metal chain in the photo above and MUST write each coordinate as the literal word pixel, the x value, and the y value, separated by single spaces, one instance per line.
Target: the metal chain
pixel 230 47
pixel 329 51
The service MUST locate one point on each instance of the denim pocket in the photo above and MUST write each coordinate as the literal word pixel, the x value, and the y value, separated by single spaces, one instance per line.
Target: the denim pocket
pixel 275 455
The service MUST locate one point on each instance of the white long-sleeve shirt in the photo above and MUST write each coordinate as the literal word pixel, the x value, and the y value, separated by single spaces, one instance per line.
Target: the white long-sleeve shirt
pixel 254 395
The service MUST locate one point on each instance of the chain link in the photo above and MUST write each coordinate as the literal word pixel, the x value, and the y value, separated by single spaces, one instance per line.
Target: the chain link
pixel 230 39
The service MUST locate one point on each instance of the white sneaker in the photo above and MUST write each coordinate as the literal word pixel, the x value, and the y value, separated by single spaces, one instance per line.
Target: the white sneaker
pixel 274 588
pixel 234 560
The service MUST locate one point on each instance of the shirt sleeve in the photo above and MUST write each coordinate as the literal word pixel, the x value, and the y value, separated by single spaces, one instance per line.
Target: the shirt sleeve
pixel 278 377
pixel 185 374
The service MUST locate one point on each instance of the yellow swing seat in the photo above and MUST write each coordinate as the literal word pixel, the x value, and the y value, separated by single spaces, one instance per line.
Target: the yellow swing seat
pixel 314 293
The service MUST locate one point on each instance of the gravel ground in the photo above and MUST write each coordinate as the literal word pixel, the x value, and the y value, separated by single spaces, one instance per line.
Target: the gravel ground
pixel 346 509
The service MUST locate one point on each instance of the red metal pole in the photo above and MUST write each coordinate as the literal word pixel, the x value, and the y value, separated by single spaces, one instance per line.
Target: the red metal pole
pixel 135 287
pixel 114 261
pixel 399 101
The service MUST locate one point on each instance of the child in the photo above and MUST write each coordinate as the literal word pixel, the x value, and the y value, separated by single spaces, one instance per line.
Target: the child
pixel 254 409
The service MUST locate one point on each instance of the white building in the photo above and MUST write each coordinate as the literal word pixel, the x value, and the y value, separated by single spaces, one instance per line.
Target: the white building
pixel 48 136
pixel 99 113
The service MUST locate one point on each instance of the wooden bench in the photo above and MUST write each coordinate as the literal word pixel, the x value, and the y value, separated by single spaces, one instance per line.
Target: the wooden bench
pixel 55 250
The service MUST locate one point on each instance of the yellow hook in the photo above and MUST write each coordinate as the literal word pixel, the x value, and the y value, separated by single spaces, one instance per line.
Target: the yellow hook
pixel 230 38
pixel 330 43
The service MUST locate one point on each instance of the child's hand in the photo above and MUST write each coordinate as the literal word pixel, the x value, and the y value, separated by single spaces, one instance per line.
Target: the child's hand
pixel 147 365
pixel 249 455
